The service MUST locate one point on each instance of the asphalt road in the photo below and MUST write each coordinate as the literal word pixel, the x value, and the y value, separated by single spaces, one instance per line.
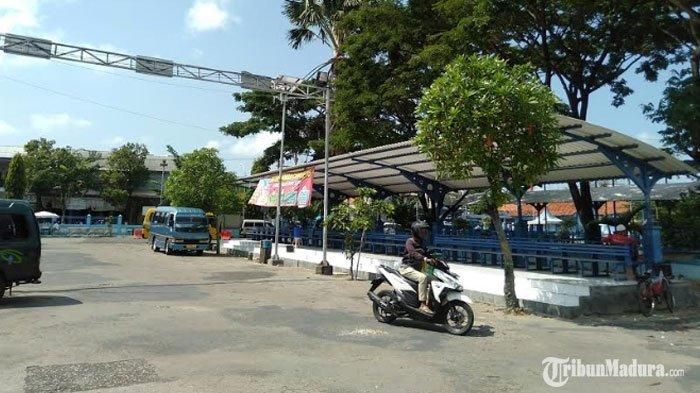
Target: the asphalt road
pixel 114 317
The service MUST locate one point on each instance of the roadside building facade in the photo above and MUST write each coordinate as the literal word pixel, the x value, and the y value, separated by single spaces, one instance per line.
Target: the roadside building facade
pixel 148 194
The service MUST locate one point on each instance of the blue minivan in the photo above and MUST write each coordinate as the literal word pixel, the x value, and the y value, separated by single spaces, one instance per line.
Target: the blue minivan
pixel 179 229
pixel 20 245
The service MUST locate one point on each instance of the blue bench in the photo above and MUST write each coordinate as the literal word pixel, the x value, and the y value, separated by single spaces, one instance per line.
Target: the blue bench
pixel 557 257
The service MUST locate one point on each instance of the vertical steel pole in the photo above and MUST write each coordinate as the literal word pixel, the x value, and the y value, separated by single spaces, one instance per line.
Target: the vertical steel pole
pixel 283 98
pixel 325 173
pixel 162 174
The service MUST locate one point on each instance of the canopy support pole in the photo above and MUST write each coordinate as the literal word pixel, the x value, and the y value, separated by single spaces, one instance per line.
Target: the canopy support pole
pixel 644 176
pixel 435 190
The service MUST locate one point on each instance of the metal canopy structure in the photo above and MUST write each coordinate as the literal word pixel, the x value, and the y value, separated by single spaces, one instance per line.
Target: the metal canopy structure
pixel 589 152
pixel 661 192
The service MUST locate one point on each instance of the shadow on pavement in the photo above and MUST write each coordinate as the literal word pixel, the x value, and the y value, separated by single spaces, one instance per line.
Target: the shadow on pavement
pixel 661 320
pixel 37 301
pixel 481 331
pixel 477 331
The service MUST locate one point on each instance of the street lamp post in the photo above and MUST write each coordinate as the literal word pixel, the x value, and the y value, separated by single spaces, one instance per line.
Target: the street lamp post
pixel 289 86
pixel 163 164
pixel 326 148
pixel 276 258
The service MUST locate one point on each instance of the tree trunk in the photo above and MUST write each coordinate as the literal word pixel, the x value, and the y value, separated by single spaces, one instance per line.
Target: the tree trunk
pixel 349 250
pixel 509 285
pixel 63 209
pixel 581 193
pixel 359 252
pixel 352 262
pixel 127 210
pixel 584 207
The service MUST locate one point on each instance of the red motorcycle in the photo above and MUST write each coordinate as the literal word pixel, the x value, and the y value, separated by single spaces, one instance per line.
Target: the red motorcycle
pixel 652 291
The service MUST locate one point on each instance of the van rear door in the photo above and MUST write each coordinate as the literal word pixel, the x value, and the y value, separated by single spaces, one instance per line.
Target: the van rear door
pixel 20 247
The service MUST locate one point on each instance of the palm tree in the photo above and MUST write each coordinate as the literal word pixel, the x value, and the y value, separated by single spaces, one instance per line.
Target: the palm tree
pixel 318 20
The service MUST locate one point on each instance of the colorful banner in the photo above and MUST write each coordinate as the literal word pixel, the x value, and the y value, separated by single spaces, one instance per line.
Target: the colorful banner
pixel 297 188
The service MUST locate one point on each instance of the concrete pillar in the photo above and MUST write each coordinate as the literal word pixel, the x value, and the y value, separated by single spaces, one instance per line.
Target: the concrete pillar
pixel 653 250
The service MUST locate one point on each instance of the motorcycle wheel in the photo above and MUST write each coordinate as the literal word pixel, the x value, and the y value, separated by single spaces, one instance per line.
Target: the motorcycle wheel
pixel 459 317
pixel 381 315
pixel 645 299
pixel 668 296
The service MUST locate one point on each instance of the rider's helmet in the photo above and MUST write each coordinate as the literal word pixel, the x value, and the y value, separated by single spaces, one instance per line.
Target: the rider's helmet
pixel 417 227
pixel 620 228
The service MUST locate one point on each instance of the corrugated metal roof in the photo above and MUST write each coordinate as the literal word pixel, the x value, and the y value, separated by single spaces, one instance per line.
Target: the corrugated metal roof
pixel 581 148
pixel 661 192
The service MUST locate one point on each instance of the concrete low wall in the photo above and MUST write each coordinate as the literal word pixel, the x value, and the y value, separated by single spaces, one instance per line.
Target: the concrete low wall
pixel 543 293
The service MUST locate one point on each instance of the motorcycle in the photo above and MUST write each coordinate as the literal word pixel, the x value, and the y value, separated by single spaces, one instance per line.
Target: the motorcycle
pixel 451 306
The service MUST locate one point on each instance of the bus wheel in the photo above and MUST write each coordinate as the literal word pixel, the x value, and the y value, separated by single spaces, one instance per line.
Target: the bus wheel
pixel 166 247
pixel 2 285
pixel 154 247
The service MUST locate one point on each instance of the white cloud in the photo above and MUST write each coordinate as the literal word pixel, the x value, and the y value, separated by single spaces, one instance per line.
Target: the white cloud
pixel 55 121
pixel 18 15
pixel 213 144
pixel 114 142
pixel 252 146
pixel 6 128
pixel 206 15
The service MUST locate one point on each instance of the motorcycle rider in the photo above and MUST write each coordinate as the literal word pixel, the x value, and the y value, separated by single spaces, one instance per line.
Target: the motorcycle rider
pixel 414 255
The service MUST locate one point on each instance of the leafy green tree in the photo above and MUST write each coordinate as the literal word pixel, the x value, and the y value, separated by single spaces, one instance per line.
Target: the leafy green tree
pixel 357 215
pixel 59 172
pixel 681 222
pixel 581 46
pixel 404 212
pixel 688 13
pixel 312 21
pixel 16 180
pixel 318 21
pixel 75 173
pixel 304 128
pixel 175 154
pixel 305 215
pixel 498 119
pixel 382 73
pixel 41 168
pixel 125 172
pixel 679 110
pixel 201 181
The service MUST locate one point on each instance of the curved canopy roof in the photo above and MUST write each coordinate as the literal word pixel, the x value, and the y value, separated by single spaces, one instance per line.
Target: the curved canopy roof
pixel 586 154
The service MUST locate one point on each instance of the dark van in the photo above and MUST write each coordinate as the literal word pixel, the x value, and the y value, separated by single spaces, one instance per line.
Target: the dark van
pixel 20 245
pixel 179 229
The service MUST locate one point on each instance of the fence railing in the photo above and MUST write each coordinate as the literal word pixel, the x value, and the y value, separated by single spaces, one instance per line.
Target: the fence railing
pixel 83 230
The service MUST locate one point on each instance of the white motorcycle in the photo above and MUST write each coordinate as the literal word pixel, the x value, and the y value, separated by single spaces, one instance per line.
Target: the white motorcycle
pixel 451 306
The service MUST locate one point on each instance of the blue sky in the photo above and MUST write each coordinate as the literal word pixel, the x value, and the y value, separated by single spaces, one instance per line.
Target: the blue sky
pixel 235 35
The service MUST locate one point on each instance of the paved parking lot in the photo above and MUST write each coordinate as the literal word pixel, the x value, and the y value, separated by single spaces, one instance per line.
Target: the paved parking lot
pixel 113 316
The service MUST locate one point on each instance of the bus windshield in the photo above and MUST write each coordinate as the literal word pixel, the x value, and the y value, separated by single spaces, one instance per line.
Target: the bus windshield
pixel 190 220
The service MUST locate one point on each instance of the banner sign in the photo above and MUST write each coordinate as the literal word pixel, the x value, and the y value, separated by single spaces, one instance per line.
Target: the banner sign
pixel 297 188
